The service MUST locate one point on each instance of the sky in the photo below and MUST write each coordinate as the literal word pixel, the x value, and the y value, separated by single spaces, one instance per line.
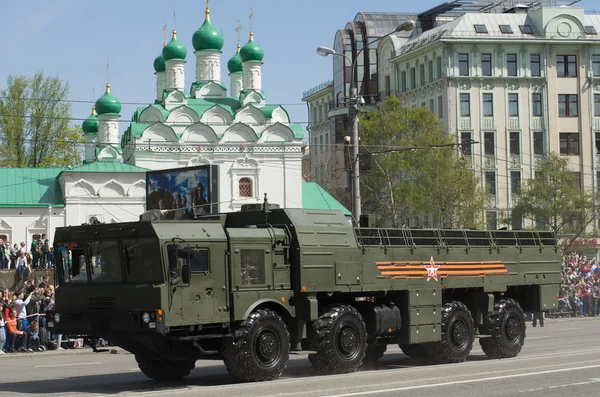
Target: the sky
pixel 74 38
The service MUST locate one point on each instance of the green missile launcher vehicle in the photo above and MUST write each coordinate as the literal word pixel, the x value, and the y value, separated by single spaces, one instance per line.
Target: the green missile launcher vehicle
pixel 251 287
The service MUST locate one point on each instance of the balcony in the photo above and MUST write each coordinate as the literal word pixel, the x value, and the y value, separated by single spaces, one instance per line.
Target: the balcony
pixel 465 123
pixel 513 123
pixel 488 123
pixel 596 123
pixel 318 88
pixel 344 102
pixel 489 161
pixel 537 124
pixel 515 161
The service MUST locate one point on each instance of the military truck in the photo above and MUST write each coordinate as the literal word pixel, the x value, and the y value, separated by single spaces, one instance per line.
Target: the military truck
pixel 253 287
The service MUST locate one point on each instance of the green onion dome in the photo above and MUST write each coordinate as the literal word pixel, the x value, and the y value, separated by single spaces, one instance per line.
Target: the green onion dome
pixel 207 37
pixel 159 63
pixel 90 125
pixel 252 52
pixel 235 63
pixel 108 104
pixel 174 50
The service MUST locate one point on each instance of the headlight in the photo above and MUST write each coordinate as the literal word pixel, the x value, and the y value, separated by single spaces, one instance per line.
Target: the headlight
pixel 57 317
pixel 146 318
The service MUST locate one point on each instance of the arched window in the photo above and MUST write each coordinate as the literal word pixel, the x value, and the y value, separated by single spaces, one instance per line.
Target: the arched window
pixel 245 187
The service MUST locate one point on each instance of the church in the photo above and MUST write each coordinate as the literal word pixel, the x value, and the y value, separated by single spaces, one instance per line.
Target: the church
pixel 250 145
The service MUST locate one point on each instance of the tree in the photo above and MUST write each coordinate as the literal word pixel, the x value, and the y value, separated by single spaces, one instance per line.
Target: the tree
pixel 554 198
pixel 415 169
pixel 34 123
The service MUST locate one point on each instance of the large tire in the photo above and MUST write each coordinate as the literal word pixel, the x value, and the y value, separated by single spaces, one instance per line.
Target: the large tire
pixel 340 339
pixel 414 351
pixel 164 371
pixel 457 335
pixel 374 354
pixel 506 326
pixel 259 349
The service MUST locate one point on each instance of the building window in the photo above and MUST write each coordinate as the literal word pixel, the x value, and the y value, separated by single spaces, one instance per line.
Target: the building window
pixel 465 143
pixel 515 182
pixel 569 143
pixel 491 219
pixel 535 65
pixel 506 29
pixel 439 67
pixel 245 187
pixel 590 30
pixel 568 105
pixel 513 105
pixel 515 143
pixel 480 28
pixel 413 78
pixel 486 64
pixel 597 143
pixel 463 64
pixel 441 107
pixel 596 105
pixel 490 182
pixel 422 73
pixel 596 65
pixel 488 105
pixel 465 105
pixel 526 29
pixel 538 142
pixel 566 65
pixel 577 180
pixel 430 70
pixel 511 64
pixel 517 221
pixel 536 105
pixel 431 106
pixel 403 81
pixel 489 143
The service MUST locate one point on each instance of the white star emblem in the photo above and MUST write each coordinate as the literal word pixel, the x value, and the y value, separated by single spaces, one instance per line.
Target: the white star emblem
pixel 432 269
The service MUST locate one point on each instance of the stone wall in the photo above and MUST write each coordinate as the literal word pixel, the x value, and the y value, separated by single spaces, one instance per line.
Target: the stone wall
pixel 7 278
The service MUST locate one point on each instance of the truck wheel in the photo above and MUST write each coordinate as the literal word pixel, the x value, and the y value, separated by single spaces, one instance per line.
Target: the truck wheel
pixel 340 339
pixel 374 354
pixel 259 349
pixel 413 351
pixel 506 325
pixel 457 336
pixel 164 371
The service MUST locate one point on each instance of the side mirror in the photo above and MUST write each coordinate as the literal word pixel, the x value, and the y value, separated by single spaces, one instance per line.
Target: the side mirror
pixel 186 274
pixel 172 255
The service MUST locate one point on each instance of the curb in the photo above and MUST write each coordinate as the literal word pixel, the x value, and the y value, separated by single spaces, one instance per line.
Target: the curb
pixel 69 352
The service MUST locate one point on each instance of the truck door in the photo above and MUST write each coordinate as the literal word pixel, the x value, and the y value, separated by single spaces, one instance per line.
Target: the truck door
pixel 205 299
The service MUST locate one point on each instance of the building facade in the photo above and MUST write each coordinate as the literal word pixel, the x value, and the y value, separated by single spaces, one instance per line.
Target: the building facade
pixel 511 87
pixel 256 148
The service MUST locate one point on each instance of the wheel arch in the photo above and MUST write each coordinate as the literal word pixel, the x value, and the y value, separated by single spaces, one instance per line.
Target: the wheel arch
pixel 274 305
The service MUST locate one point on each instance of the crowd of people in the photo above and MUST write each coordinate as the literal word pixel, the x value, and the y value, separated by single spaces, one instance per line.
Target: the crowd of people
pixel 580 288
pixel 17 256
pixel 23 325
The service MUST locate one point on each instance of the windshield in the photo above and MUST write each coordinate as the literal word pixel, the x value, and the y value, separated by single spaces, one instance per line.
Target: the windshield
pixel 134 261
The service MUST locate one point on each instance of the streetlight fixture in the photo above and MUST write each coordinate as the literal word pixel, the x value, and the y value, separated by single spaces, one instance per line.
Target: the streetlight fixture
pixel 354 102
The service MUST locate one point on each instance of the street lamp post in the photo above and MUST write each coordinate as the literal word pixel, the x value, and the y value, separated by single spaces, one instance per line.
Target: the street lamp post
pixel 353 102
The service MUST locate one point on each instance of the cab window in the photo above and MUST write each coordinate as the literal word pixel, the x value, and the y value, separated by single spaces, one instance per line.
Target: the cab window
pixel 252 266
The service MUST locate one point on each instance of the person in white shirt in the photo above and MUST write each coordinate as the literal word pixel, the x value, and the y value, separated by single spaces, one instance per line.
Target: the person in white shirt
pixel 20 306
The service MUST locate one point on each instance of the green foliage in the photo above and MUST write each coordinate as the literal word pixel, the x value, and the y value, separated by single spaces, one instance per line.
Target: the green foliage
pixel 410 178
pixel 553 197
pixel 34 123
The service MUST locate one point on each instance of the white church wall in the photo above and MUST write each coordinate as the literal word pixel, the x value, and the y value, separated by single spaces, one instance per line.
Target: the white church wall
pixel 21 224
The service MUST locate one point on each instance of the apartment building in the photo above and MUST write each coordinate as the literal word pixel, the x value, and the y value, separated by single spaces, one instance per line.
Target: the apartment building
pixel 511 86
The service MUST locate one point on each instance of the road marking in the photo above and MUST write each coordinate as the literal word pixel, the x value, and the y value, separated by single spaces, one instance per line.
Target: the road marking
pixel 538 337
pixel 66 365
pixel 568 329
pixel 592 380
pixel 459 382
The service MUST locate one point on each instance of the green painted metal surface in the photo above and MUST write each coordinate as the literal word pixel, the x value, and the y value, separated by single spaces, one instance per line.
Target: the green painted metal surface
pixel 30 187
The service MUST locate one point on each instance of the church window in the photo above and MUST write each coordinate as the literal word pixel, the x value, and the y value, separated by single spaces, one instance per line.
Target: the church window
pixel 245 187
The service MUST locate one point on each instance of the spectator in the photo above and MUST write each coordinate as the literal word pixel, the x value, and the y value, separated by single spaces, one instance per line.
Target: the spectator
pixel 20 308
pixel 44 282
pixel 16 340
pixel 33 337
pixel 22 265
pixel 2 333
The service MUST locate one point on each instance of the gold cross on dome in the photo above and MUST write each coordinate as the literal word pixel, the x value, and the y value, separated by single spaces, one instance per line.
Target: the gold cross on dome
pixel 165 30
pixel 207 3
pixel 238 29
pixel 251 14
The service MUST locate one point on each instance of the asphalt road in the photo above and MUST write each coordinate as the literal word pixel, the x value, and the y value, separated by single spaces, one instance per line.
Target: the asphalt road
pixel 563 358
